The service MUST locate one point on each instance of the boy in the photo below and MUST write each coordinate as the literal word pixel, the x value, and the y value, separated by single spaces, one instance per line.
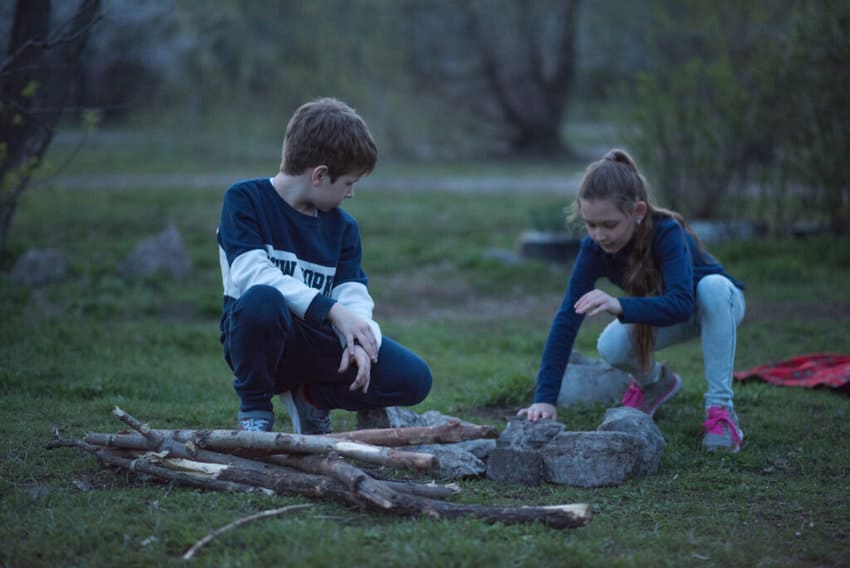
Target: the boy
pixel 297 318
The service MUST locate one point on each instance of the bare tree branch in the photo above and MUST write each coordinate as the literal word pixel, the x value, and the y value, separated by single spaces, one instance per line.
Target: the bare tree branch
pixel 238 523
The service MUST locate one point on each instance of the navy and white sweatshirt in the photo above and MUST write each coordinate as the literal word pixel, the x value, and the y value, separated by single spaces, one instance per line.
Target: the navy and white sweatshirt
pixel 313 261
pixel 682 265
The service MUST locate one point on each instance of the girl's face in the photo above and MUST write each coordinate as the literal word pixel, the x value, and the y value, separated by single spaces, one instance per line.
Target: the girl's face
pixel 607 225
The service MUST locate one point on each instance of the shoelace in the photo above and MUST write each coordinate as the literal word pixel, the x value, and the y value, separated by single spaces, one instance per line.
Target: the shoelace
pixel 717 419
pixel 633 396
pixel 254 424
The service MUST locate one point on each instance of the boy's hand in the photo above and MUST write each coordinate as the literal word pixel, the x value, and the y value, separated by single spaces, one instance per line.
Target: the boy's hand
pixel 539 410
pixel 355 329
pixel 355 354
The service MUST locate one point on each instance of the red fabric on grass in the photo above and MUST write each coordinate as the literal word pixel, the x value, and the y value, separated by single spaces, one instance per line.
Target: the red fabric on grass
pixel 812 370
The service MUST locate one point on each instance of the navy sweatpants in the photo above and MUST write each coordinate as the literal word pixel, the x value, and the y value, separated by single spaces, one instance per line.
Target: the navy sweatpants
pixel 270 350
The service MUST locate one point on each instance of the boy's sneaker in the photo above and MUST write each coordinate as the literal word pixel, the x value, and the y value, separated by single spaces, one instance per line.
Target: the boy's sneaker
pixel 255 424
pixel 306 418
pixel 721 431
pixel 649 397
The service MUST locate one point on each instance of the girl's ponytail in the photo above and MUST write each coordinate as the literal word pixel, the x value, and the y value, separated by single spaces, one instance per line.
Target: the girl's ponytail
pixel 616 177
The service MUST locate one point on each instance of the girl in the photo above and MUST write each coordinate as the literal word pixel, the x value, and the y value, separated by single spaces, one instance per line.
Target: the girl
pixel 674 289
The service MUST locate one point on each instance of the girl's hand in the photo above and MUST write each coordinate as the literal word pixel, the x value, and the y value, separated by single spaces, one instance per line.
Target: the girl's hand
pixel 357 355
pixel 596 302
pixel 539 410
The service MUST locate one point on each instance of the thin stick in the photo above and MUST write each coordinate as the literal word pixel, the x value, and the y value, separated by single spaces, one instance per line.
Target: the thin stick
pixel 238 523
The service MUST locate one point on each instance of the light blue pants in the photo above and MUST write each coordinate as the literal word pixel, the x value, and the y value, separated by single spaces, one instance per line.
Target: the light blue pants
pixel 720 309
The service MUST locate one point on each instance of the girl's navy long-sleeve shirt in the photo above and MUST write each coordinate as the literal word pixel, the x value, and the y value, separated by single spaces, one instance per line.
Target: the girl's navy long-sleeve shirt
pixel 682 263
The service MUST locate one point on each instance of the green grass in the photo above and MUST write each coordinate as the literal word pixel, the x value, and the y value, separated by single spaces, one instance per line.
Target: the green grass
pixel 71 351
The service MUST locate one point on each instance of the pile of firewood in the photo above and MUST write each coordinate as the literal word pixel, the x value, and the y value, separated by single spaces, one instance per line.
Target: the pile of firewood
pixel 319 467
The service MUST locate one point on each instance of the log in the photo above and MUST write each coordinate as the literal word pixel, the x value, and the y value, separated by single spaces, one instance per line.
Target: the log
pixel 450 432
pixel 264 443
pixel 318 472
pixel 278 442
pixel 116 458
pixel 259 480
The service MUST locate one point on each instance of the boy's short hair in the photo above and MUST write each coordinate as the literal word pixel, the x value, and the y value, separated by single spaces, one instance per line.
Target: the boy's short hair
pixel 328 132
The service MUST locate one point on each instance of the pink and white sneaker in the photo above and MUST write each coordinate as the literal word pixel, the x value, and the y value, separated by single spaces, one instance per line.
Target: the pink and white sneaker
pixel 649 397
pixel 721 432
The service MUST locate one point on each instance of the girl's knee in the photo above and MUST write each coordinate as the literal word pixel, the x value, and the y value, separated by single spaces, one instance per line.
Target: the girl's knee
pixel 715 292
pixel 614 346
pixel 714 285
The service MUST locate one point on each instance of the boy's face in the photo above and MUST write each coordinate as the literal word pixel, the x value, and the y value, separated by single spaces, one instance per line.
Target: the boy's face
pixel 330 195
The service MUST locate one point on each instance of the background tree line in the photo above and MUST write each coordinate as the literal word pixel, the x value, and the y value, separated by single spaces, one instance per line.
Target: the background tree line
pixel 718 99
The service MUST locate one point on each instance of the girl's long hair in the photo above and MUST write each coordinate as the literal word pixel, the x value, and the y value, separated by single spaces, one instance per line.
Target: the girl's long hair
pixel 616 177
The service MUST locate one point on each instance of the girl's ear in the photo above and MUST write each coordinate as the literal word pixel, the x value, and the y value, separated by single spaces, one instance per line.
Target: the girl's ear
pixel 640 210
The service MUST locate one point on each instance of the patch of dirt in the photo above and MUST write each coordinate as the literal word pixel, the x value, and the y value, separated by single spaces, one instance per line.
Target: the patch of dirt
pixel 438 293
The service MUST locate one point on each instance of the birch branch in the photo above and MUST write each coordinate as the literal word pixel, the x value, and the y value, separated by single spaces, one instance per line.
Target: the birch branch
pixel 238 523
pixel 450 432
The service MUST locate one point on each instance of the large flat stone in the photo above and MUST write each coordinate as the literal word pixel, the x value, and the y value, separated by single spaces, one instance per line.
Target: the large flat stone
pixel 643 427
pixel 591 459
pixel 511 465
pixel 589 380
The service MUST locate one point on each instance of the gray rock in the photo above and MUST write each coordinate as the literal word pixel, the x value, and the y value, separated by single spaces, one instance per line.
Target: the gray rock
pixel 517 457
pixel 511 465
pixel 164 253
pixel 453 460
pixel 588 380
pixel 591 459
pixel 39 267
pixel 522 434
pixel 503 256
pixel 480 448
pixel 396 417
pixel 713 231
pixel 640 425
pixel 627 445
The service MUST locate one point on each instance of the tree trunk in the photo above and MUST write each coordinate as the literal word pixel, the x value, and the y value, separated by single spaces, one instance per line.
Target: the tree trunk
pixel 38 79
pixel 531 96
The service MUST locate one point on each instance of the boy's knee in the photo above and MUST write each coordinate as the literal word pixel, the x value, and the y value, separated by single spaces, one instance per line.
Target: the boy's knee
pixel 419 383
pixel 260 306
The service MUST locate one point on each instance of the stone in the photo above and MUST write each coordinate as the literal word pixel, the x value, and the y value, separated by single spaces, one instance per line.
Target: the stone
pixel 517 457
pixel 163 253
pixel 627 445
pixel 591 459
pixel 713 231
pixel 396 417
pixel 38 267
pixel 453 460
pixel 523 434
pixel 641 425
pixel 480 448
pixel 559 247
pixel 511 465
pixel 589 380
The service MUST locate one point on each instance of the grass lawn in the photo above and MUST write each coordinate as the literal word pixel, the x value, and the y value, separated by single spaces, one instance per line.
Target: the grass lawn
pixel 71 351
